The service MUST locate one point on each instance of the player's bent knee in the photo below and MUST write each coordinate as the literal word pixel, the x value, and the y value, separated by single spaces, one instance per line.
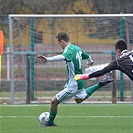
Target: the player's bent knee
pixel 54 102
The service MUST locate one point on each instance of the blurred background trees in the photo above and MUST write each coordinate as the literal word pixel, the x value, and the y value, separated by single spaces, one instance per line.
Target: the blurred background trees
pixel 60 7
pixel 65 6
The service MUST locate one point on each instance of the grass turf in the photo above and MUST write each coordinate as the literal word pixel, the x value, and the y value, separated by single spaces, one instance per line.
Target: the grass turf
pixel 71 118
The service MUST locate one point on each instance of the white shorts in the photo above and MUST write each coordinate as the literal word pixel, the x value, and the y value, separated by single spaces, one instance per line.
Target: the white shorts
pixel 67 93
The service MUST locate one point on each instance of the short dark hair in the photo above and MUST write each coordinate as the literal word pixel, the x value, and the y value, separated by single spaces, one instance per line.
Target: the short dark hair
pixel 63 36
pixel 120 44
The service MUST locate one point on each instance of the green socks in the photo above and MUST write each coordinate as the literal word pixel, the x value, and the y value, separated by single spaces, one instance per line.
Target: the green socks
pixel 52 117
pixel 92 89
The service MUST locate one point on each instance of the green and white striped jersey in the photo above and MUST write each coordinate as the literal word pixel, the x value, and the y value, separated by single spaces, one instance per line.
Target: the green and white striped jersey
pixel 74 56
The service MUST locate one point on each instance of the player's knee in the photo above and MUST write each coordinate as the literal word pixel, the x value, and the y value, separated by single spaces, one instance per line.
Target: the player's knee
pixel 54 102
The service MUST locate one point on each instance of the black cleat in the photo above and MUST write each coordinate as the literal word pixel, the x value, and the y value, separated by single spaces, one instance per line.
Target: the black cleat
pixel 105 81
pixel 47 125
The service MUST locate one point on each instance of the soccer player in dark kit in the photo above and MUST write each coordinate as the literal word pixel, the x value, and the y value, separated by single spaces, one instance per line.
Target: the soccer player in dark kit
pixel 124 63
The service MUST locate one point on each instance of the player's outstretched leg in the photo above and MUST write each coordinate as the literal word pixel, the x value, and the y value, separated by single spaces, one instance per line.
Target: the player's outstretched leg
pixel 105 81
pixel 95 87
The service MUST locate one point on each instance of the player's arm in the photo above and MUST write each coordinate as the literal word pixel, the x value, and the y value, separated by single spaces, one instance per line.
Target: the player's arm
pixel 100 72
pixel 87 57
pixel 110 67
pixel 49 59
pixel 90 60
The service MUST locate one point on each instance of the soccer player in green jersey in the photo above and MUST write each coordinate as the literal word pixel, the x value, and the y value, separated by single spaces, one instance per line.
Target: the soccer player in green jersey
pixel 73 55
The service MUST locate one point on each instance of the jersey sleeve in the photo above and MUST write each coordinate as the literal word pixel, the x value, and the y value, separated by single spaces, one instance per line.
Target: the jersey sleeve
pixel 87 56
pixel 56 58
pixel 68 54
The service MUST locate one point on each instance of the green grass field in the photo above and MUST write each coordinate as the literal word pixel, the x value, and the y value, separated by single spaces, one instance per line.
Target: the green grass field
pixel 71 118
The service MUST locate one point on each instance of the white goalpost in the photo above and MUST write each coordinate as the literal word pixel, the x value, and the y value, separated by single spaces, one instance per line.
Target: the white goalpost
pixel 31 34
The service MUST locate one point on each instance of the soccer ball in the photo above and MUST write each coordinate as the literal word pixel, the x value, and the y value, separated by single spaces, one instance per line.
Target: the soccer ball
pixel 43 118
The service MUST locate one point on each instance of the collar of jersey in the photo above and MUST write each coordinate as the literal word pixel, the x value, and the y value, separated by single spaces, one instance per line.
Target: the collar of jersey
pixel 124 52
pixel 66 47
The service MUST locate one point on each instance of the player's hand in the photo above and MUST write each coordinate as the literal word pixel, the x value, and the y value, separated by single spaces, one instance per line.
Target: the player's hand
pixel 81 77
pixel 42 58
pixel 92 63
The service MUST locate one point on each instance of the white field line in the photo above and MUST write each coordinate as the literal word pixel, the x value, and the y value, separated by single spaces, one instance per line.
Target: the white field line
pixel 83 104
pixel 69 117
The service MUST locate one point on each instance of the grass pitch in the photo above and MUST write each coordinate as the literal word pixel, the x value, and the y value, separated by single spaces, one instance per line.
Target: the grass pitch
pixel 71 118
